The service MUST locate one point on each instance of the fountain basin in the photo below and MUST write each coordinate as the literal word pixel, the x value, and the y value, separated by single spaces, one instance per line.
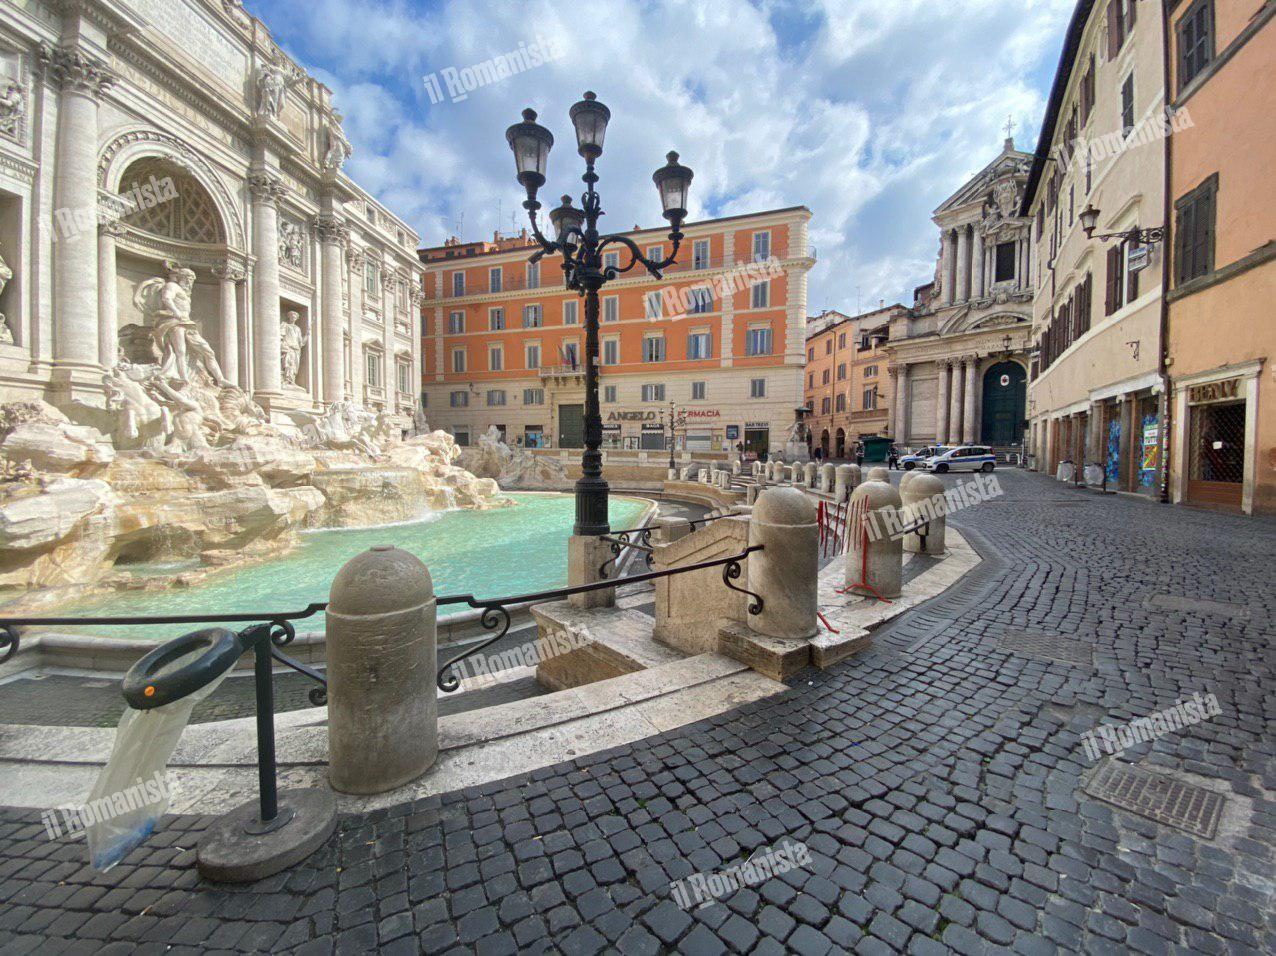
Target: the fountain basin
pixel 489 554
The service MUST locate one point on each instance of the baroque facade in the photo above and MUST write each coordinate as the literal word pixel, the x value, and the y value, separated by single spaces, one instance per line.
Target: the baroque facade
pixel 720 338
pixel 171 189
pixel 959 357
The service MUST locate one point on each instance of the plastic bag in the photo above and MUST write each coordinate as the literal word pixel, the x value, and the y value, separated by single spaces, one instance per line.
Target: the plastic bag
pixel 131 792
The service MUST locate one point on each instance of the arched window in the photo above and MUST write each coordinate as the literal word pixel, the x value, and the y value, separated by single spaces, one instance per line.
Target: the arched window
pixel 168 201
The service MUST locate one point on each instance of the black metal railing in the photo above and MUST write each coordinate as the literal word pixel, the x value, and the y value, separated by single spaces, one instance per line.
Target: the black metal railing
pixel 495 614
pixel 148 684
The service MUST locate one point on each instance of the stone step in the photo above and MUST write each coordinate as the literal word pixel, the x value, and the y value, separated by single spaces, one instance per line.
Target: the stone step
pixel 582 645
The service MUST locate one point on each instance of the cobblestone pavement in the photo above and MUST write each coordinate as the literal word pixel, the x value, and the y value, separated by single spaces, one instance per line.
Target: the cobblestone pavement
pixel 937 781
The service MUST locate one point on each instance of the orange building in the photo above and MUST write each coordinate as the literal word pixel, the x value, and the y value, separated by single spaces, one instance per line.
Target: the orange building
pixel 720 338
pixel 1223 236
pixel 848 391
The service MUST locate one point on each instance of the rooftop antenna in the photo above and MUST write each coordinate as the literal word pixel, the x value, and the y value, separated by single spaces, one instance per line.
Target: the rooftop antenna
pixel 457 223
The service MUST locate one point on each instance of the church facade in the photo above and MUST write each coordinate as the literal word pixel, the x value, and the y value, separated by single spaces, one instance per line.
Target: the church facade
pixel 959 358
pixel 172 197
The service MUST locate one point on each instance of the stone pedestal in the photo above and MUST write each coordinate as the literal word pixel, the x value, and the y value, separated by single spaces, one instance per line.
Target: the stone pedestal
pixel 585 556
pixel 809 472
pixel 382 700
pixel 785 574
pixel 923 500
pixel 875 563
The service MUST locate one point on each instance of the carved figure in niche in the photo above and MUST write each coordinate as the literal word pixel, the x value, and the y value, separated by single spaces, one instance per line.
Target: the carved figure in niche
pixel 291 341
pixel 167 303
pixel 291 244
pixel 6 333
pixel 338 148
pixel 273 81
pixel 13 106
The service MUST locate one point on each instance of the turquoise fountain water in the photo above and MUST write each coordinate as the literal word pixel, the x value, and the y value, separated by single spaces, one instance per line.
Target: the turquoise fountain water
pixel 505 551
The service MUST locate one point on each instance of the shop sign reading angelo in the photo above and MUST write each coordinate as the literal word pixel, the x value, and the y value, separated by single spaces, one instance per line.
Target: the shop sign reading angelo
pixel 631 416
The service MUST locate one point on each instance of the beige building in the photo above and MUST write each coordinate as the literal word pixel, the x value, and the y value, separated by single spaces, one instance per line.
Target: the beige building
pixel 847 388
pixel 719 341
pixel 1096 392
pixel 959 357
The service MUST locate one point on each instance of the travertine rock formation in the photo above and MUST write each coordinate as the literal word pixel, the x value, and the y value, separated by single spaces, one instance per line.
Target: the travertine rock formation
pixel 74 509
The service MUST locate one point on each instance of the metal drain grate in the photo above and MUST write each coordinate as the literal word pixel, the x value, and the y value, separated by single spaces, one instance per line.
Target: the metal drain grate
pixel 1173 802
pixel 1049 647
pixel 1176 602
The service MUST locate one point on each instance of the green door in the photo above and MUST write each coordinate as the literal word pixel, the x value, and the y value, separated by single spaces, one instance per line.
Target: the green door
pixel 1005 404
pixel 571 426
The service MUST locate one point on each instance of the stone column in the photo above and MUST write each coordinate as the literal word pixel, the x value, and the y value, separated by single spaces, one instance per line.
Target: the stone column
pixel 941 410
pixel 108 344
pixel 962 292
pixel 901 433
pixel 948 271
pixel 356 261
pixel 968 405
pixel 785 573
pixel 229 276
pixel 383 710
pixel 267 188
pixel 332 234
pixel 955 403
pixel 891 426
pixel 977 258
pixel 82 80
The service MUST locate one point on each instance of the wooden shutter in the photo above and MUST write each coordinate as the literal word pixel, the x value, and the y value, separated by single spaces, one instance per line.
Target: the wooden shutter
pixel 1114 32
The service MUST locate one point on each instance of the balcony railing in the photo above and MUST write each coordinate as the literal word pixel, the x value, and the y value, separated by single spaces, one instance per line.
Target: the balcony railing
pixel 550 271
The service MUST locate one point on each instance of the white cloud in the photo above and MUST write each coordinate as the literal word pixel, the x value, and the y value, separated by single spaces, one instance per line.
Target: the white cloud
pixel 870 112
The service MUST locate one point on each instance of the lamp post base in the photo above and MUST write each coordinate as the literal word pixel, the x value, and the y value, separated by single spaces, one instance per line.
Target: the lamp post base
pixel 237 848
pixel 591 507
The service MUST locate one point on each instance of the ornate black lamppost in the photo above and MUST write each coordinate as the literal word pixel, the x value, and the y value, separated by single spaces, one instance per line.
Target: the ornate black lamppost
pixel 576 237
pixel 1089 217
pixel 677 420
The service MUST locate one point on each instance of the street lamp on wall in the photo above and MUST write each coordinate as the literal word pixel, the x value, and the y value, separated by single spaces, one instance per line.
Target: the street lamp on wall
pixel 577 238
pixel 1089 217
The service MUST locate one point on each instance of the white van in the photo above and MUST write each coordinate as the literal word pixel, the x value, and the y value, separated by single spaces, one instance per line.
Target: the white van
pixel 962 458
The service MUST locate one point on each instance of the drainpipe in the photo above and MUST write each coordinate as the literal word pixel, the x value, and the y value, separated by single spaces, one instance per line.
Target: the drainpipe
pixel 1163 365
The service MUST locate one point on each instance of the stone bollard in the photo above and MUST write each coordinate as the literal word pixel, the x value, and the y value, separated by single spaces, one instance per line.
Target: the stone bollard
pixel 756 468
pixel 673 474
pixel 383 710
pixel 879 474
pixel 735 466
pixel 585 556
pixel 924 501
pixel 796 475
pixel 811 469
pixel 785 574
pixel 876 557
pixel 842 486
pixel 751 493
pixel 828 474
pixel 907 479
pixel 724 480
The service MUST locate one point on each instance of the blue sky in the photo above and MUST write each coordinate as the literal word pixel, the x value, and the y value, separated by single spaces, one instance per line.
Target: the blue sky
pixel 870 112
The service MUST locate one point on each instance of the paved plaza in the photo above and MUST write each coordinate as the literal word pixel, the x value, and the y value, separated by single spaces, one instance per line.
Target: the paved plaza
pixel 939 783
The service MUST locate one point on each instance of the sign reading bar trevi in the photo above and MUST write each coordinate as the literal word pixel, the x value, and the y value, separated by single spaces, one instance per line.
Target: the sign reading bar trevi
pixel 1225 391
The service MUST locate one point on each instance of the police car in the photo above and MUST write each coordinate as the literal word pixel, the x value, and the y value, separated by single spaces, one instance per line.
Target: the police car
pixel 917 458
pixel 962 458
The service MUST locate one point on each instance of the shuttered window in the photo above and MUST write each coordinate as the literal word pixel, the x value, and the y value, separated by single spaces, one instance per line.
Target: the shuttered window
pixel 1194 232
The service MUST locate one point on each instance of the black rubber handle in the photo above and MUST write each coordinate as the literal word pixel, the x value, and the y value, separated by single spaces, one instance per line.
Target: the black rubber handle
pixel 148 685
